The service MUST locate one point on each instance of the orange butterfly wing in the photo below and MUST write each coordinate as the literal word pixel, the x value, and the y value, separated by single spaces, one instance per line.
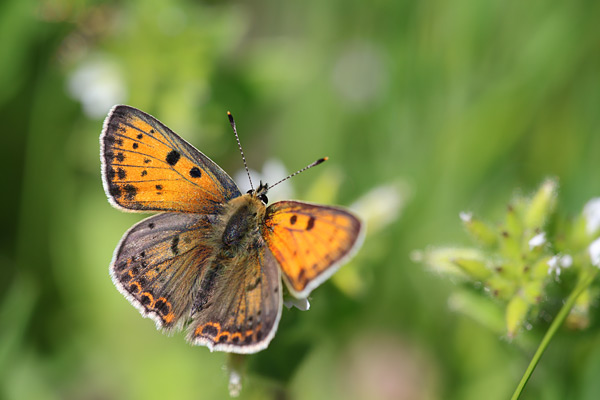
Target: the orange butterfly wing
pixel 146 166
pixel 309 241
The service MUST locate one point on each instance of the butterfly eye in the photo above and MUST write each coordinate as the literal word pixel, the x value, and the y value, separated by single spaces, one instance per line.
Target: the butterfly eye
pixel 249 191
pixel 263 198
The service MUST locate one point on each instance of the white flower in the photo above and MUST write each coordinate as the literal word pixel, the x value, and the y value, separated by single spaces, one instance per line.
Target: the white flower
pixel 98 85
pixel 566 261
pixel 591 212
pixel 554 265
pixel 594 251
pixel 465 216
pixel 537 241
pixel 558 262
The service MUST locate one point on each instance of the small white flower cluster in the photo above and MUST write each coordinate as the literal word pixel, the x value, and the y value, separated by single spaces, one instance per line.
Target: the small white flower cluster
pixel 537 241
pixel 557 262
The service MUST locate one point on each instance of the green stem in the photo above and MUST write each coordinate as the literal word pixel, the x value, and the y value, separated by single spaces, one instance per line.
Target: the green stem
pixel 584 282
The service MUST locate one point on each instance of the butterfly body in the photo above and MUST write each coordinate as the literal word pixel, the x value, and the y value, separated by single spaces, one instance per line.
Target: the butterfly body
pixel 241 221
pixel 213 259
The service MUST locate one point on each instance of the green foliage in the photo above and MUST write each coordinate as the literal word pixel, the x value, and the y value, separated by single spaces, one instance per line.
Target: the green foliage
pixel 517 259
pixel 424 109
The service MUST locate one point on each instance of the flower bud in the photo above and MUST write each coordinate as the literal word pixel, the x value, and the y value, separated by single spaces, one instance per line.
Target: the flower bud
pixel 516 313
pixel 500 287
pixel 443 260
pixel 479 230
pixel 510 246
pixel 513 224
pixel 541 205
pixel 473 267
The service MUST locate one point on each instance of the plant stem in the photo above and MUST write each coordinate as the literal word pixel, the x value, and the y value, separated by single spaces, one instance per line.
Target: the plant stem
pixel 584 281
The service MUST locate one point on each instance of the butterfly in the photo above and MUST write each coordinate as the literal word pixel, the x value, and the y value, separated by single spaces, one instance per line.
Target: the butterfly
pixel 212 259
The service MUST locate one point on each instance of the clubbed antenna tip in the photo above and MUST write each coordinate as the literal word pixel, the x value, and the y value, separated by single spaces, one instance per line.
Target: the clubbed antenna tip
pixel 314 164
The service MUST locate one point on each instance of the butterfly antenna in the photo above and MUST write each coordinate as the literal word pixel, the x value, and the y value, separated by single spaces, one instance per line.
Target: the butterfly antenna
pixel 232 122
pixel 319 161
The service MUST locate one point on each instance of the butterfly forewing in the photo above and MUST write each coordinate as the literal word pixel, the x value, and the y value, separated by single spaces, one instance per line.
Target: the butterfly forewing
pixel 245 303
pixel 146 166
pixel 309 241
pixel 159 263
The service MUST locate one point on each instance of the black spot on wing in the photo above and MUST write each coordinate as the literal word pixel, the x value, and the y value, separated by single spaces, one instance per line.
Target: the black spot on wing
pixel 254 284
pixel 209 330
pixel 302 276
pixel 145 299
pixel 175 245
pixel 130 191
pixel 173 157
pixel 114 191
pixel 162 307
pixel 195 172
pixel 310 224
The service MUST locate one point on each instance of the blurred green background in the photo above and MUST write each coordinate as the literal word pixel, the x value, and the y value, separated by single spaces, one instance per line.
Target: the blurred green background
pixel 424 108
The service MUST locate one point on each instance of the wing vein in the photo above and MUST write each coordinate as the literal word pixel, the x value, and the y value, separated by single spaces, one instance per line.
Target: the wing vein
pixel 132 139
pixel 145 133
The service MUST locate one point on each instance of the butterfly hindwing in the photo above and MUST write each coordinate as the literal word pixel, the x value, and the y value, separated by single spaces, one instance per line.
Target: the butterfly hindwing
pixel 146 166
pixel 159 262
pixel 309 241
pixel 244 305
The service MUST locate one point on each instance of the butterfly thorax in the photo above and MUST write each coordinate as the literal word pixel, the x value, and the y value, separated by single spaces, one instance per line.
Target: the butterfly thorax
pixel 240 223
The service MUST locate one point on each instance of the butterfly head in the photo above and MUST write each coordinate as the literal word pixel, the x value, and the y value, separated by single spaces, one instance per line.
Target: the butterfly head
pixel 260 192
